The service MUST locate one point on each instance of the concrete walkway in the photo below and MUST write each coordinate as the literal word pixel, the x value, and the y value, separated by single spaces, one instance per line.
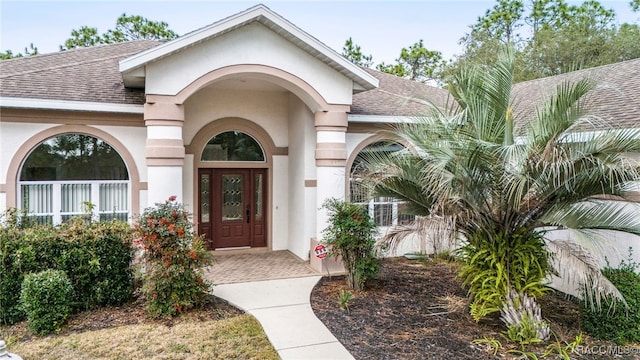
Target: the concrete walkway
pixel 283 308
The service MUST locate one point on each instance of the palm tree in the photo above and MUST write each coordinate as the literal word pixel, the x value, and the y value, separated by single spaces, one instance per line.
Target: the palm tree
pixel 503 189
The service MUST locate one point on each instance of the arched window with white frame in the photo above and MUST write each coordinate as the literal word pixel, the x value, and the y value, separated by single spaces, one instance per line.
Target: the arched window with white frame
pixel 70 174
pixel 385 211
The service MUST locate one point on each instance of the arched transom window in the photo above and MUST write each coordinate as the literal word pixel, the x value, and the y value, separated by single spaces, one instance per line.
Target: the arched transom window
pixel 72 174
pixel 386 211
pixel 233 146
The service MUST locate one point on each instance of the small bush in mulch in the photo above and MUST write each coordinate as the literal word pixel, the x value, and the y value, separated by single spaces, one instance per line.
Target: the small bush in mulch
pixel 351 236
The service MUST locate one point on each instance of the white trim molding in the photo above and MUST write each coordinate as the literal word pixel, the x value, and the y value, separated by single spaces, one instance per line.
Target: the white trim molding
pixel 389 119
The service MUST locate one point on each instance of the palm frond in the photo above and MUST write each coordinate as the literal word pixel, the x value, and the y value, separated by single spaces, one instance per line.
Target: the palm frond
pixel 597 215
pixel 433 234
pixel 577 269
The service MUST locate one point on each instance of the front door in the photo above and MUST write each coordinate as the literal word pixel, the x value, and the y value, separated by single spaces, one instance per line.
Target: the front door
pixel 232 207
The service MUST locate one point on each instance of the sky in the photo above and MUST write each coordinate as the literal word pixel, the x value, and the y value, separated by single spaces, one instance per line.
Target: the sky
pixel 381 28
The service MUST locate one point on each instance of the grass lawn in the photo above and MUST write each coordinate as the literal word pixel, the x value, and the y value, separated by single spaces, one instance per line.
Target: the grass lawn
pixel 219 332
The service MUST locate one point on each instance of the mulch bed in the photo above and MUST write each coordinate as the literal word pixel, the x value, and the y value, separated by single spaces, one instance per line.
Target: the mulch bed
pixel 418 310
pixel 131 313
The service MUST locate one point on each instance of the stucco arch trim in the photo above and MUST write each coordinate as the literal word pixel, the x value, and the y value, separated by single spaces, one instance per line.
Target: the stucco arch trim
pixel 21 154
pixel 312 98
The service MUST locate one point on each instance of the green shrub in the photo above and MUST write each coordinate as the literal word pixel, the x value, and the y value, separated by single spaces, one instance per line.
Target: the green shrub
pixel 174 257
pixel 351 236
pixel 46 299
pixel 95 256
pixel 495 263
pixel 20 253
pixel 618 324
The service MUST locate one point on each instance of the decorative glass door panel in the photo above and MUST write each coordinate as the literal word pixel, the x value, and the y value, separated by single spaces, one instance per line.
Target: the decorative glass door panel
pixel 205 199
pixel 232 193
pixel 204 207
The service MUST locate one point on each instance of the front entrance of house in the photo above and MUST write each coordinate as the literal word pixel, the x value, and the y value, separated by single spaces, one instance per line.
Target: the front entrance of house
pixel 232 207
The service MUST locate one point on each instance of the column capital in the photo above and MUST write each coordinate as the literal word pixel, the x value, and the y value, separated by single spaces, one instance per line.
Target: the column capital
pixel 163 110
pixel 331 121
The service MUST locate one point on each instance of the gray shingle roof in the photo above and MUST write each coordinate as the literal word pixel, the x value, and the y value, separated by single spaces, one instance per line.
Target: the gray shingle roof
pixel 615 100
pixel 92 75
pixel 398 97
pixel 87 74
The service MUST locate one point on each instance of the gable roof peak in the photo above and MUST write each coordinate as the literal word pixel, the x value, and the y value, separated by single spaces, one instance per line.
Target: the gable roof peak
pixel 273 21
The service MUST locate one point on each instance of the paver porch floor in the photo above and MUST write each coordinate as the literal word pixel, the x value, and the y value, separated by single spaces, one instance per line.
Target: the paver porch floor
pixel 258 266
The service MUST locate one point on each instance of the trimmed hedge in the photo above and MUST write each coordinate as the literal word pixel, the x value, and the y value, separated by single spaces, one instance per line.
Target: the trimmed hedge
pixel 95 256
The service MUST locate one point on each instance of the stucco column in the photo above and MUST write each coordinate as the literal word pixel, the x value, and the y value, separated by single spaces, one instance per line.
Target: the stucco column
pixel 331 157
pixel 164 148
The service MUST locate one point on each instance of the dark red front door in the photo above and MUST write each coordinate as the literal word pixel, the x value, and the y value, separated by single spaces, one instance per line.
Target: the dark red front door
pixel 232 207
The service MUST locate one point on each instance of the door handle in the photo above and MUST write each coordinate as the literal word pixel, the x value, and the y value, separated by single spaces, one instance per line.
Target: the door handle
pixel 248 214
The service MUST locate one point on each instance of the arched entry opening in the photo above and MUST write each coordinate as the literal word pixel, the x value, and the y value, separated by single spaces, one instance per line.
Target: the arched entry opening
pixel 232 193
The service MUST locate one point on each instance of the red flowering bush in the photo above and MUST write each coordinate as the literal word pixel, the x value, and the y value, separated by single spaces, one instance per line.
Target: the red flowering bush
pixel 173 259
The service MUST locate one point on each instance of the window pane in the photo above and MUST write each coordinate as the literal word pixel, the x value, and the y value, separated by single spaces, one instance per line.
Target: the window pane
pixel 359 192
pixel 73 157
pixel 74 196
pixel 232 146
pixel 114 198
pixel 37 198
pixel 383 214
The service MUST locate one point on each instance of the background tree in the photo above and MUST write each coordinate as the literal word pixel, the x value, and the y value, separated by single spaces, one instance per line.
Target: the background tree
pixel 415 63
pixel 28 51
pixel 353 52
pixel 489 34
pixel 502 21
pixel 83 37
pixel 127 28
pixel 635 5
pixel 550 37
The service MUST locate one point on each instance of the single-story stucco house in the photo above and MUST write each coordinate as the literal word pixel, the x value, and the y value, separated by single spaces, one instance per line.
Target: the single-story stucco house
pixel 251 122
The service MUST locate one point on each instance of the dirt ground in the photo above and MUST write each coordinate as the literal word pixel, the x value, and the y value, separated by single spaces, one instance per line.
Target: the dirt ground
pixel 420 311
